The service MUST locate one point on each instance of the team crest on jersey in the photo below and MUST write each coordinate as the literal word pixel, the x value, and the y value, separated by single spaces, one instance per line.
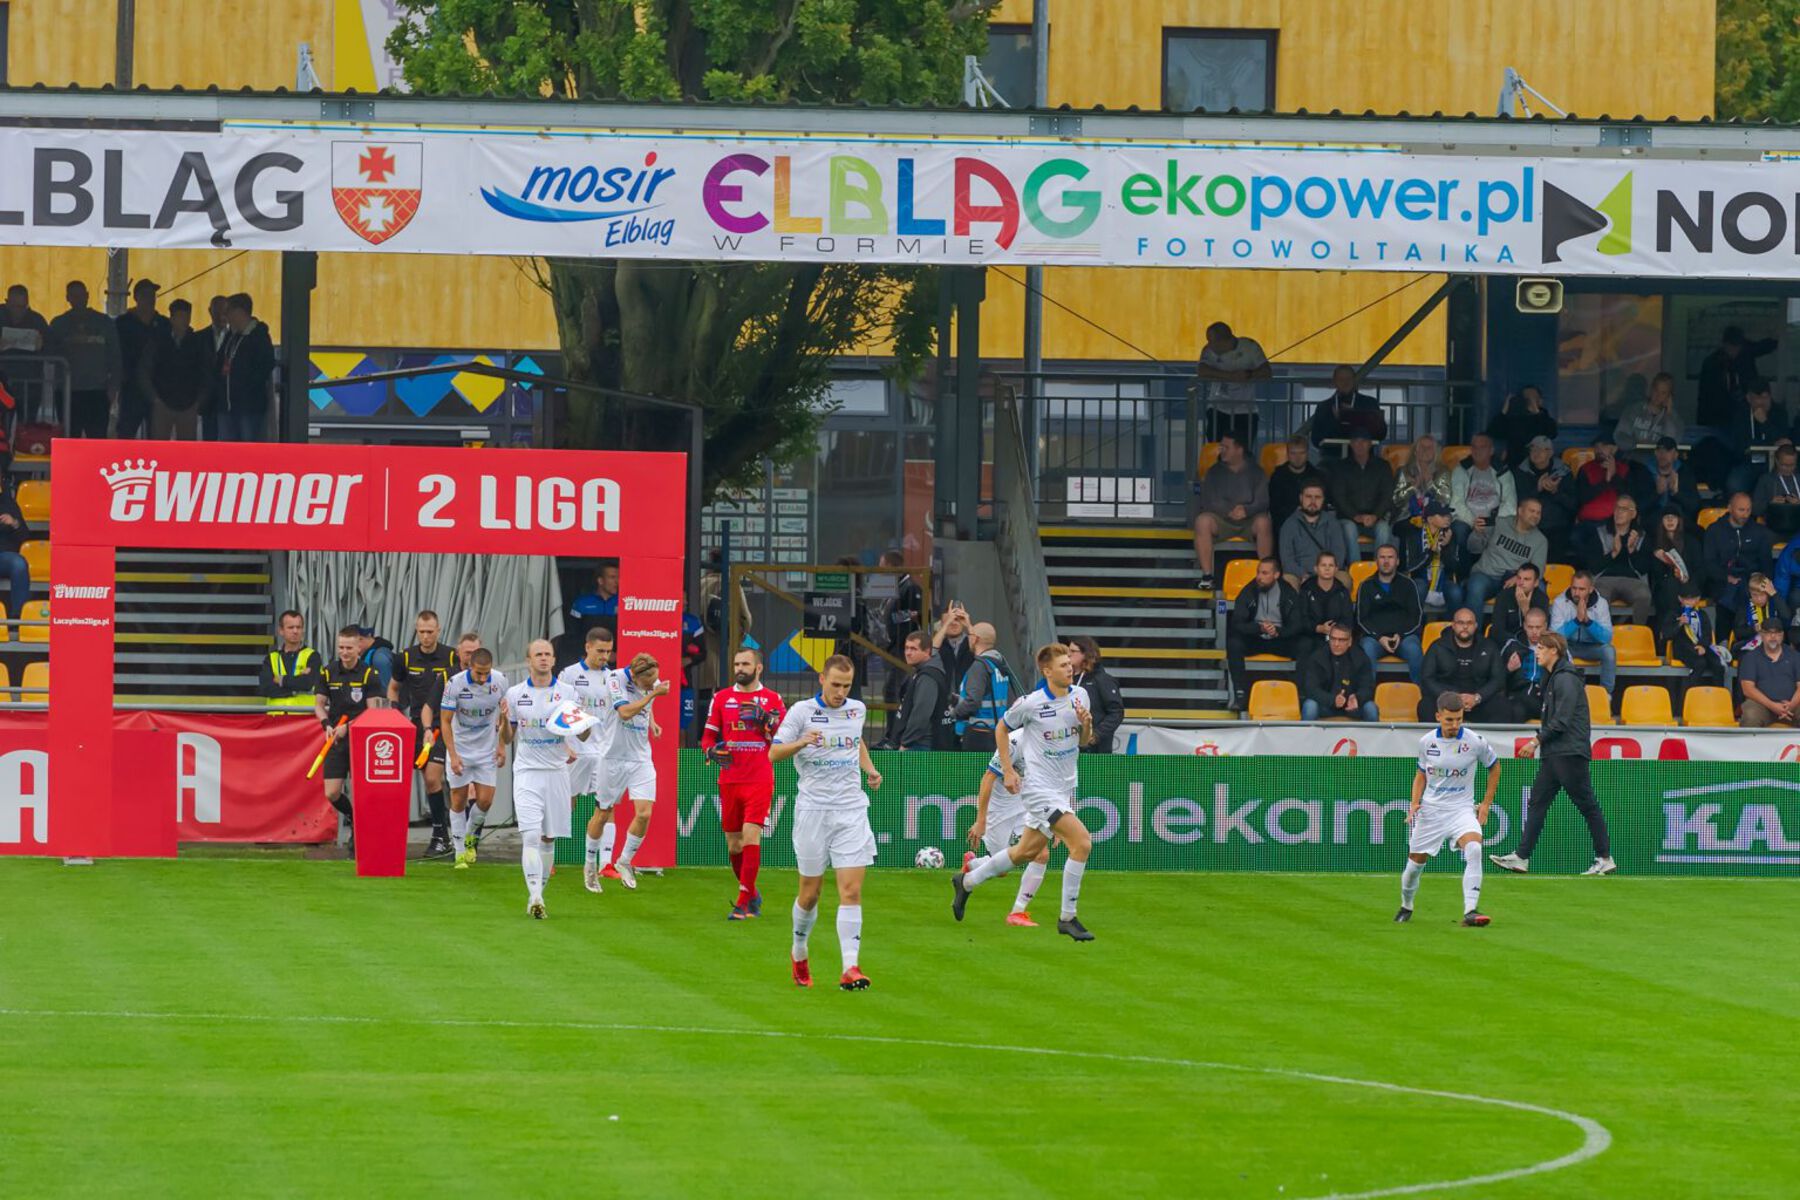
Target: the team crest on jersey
pixel 355 694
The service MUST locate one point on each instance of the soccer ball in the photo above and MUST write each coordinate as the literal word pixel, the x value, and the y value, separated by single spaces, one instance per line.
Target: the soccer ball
pixel 929 858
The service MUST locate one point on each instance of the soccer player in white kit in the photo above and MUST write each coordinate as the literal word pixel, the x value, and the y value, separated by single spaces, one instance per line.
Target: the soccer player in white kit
pixel 999 823
pixel 824 737
pixel 541 758
pixel 586 683
pixel 1443 806
pixel 1057 722
pixel 630 771
pixel 469 724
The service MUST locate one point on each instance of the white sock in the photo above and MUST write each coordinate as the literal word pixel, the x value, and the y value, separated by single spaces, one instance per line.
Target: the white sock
pixel 548 851
pixel 804 920
pixel 593 851
pixel 533 862
pixel 632 842
pixel 608 834
pixel 1072 871
pixel 849 932
pixel 991 867
pixel 1029 884
pixel 477 817
pixel 1409 882
pixel 1471 877
pixel 459 823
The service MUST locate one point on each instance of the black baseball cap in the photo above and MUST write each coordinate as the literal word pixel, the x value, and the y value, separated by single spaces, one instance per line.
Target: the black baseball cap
pixel 1667 443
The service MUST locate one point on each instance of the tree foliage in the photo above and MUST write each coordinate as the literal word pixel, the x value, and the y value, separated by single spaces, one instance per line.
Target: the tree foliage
pixel 1757 71
pixel 753 343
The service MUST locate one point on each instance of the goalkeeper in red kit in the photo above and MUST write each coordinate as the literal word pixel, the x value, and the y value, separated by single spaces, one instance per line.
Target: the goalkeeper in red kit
pixel 739 727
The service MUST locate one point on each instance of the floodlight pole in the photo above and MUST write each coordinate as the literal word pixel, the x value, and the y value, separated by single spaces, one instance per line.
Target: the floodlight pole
pixel 1034 275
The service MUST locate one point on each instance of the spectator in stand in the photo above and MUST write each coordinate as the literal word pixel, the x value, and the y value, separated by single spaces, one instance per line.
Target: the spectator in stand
pixel 290 672
pixel 245 364
pixel 1511 605
pixel 1388 614
pixel 1693 640
pixel 1653 419
pixel 1757 423
pixel 1234 505
pixel 14 533
pixel 1265 619
pixel 174 372
pixel 141 329
pixel 988 689
pixel 1726 373
pixel 1435 561
pixel 1770 678
pixel 1325 601
pixel 1675 487
pixel 1677 560
pixel 1736 548
pixel 1525 676
pixel 90 342
pixel 1347 411
pixel 1581 616
pixel 1521 419
pixel 1104 700
pixel 1464 662
pixel 213 338
pixel 1503 550
pixel 1604 478
pixel 1481 494
pixel 1544 476
pixel 29 332
pixel 1338 680
pixel 1761 605
pixel 1361 487
pixel 1422 480
pixel 1288 479
pixel 1229 368
pixel 1776 500
pixel 1619 557
pixel 377 652
pixel 921 722
pixel 1786 576
pixel 1312 531
pixel 950 642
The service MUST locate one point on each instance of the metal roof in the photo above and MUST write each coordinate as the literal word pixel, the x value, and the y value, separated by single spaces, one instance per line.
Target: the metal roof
pixel 211 108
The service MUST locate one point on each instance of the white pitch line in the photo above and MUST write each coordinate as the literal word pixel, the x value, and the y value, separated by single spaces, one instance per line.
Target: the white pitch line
pixel 1596 1138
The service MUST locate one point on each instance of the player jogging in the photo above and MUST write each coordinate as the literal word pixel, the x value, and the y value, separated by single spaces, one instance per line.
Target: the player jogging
pixel 824 736
pixel 420 673
pixel 999 823
pixel 629 768
pixel 470 734
pixel 739 725
pixel 1443 806
pixel 1056 721
pixel 586 683
pixel 347 689
pixel 541 758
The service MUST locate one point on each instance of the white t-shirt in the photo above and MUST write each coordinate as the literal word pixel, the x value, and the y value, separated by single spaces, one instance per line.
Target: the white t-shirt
pixel 630 739
pixel 1449 766
pixel 527 708
pixel 1226 396
pixel 587 686
pixel 472 707
pixel 830 772
pixel 1051 747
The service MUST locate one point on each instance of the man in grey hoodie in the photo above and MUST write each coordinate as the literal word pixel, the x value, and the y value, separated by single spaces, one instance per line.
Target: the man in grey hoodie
pixel 1503 549
pixel 1310 532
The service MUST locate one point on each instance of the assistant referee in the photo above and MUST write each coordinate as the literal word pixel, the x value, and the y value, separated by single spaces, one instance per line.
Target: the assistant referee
pixel 1564 749
pixel 347 689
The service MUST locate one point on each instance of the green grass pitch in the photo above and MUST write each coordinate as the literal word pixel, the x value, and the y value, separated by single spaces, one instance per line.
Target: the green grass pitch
pixel 279 1027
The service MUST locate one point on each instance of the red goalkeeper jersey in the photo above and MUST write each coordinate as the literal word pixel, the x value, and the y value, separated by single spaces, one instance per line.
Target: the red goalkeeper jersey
pixel 744 723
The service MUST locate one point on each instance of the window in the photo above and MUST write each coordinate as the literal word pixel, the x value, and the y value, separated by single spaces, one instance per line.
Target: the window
pixel 1010 64
pixel 1216 70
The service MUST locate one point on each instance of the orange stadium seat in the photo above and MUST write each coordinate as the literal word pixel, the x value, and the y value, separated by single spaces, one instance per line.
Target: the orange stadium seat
pixel 1272 456
pixel 1209 454
pixel 1397 701
pixel 34 501
pixel 1452 457
pixel 1707 706
pixel 1557 578
pixel 35 683
pixel 35 610
pixel 1708 516
pixel 1635 646
pixel 1360 571
pixel 1433 631
pixel 1398 454
pixel 1239 573
pixel 1274 700
pixel 1647 704
pixel 1577 457
pixel 1599 706
pixel 5 682
pixel 37 559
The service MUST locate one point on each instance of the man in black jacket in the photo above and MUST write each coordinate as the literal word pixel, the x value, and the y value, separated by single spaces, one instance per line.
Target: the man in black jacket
pixel 1388 613
pixel 923 721
pixel 246 361
pixel 1325 600
pixel 1264 620
pixel 1544 476
pixel 1286 480
pixel 1564 750
pixel 1525 679
pixel 1464 662
pixel 1347 411
pixel 1511 605
pixel 1692 638
pixel 175 371
pixel 1104 700
pixel 1338 680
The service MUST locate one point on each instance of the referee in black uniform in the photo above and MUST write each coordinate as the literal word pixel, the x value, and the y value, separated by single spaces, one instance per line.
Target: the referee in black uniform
pixel 1564 748
pixel 420 673
pixel 347 688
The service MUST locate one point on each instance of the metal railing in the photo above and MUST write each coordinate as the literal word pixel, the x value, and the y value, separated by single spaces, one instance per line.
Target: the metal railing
pixel 39 384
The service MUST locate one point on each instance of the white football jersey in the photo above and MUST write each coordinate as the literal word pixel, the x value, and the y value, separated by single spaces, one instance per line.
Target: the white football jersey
pixel 1449 765
pixel 830 772
pixel 587 686
pixel 629 738
pixel 472 707
pixel 1052 744
pixel 527 708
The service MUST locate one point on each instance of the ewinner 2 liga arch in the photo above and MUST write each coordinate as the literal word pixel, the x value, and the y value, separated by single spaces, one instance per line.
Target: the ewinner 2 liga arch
pixel 375 499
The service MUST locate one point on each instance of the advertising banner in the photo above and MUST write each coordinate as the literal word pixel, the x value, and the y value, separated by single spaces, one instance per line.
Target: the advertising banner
pixel 1351 740
pixel 1081 203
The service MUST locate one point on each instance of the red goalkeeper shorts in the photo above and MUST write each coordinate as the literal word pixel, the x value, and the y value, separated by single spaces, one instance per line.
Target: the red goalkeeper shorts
pixel 742 804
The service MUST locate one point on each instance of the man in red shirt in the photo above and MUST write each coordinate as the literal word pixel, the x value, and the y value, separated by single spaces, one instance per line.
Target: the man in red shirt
pixel 743 719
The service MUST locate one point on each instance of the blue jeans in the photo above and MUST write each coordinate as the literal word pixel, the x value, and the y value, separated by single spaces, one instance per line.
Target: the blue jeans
pixel 13 567
pixel 1311 710
pixel 243 426
pixel 1410 653
pixel 1480 588
pixel 1383 536
pixel 1609 658
pixel 1453 594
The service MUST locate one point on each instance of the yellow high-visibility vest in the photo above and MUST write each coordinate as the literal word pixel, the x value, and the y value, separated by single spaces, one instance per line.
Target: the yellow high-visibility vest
pixel 303 702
